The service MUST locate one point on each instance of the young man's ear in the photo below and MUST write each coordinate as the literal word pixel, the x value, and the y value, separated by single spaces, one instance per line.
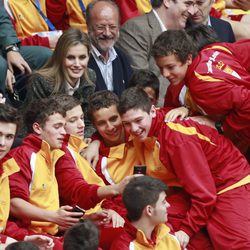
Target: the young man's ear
pixel 153 111
pixel 37 128
pixel 148 210
pixel 189 59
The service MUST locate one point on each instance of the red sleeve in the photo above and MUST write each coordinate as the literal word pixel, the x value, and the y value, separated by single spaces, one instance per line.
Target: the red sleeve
pixel 239 49
pixel 14 231
pixel 191 167
pixel 73 189
pixel 128 9
pixel 20 181
pixel 172 95
pixel 116 204
pixel 226 98
pixel 59 17
pixel 35 40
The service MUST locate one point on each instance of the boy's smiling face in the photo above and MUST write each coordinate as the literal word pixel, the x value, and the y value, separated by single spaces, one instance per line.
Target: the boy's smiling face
pixel 138 122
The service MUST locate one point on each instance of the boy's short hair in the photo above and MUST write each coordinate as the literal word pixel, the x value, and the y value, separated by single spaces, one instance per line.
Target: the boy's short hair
pixel 22 245
pixel 173 42
pixel 9 114
pixel 83 236
pixel 202 35
pixel 140 192
pixel 39 111
pixel 134 98
pixel 101 99
pixel 68 102
pixel 145 78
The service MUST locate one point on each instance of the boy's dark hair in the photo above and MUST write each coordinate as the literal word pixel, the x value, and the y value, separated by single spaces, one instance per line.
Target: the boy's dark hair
pixel 202 35
pixel 22 245
pixel 101 99
pixel 68 102
pixel 145 78
pixel 39 111
pixel 9 114
pixel 140 192
pixel 83 236
pixel 134 98
pixel 173 42
pixel 157 3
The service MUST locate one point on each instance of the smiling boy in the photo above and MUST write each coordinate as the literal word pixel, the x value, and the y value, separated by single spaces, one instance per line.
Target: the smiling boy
pixel 209 167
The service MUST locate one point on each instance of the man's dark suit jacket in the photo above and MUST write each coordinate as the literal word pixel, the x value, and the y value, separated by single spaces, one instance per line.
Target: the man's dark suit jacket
pixel 122 72
pixel 223 29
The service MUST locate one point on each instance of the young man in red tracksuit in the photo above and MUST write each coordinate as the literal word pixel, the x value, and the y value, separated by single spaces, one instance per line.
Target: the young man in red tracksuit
pixel 9 122
pixel 145 199
pixel 217 78
pixel 212 171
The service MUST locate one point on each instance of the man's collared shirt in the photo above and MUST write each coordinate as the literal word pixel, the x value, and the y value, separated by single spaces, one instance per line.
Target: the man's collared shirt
pixel 163 28
pixel 105 67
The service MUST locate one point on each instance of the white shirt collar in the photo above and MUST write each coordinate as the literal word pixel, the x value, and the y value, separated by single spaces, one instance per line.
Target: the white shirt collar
pixel 71 90
pixel 163 28
pixel 96 53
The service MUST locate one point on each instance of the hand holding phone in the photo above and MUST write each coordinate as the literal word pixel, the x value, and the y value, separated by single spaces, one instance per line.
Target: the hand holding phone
pixel 140 169
pixel 78 209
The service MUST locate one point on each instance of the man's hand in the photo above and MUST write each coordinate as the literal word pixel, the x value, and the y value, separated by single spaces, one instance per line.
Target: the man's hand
pixel 182 237
pixel 2 99
pixel 91 153
pixel 65 218
pixel 242 4
pixel 42 241
pixel 180 112
pixel 16 59
pixel 9 81
pixel 115 218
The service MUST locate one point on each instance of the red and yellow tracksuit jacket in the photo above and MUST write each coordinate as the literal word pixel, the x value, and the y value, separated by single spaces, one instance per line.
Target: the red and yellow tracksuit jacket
pixel 205 162
pixel 133 238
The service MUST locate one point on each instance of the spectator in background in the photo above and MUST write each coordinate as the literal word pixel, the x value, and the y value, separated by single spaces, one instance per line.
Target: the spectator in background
pixel 30 22
pixel 83 236
pixel 110 63
pixel 148 81
pixel 68 14
pixel 13 58
pixel 66 72
pixel 138 35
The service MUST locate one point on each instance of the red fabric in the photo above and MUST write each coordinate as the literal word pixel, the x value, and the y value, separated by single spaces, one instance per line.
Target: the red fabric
pixel 204 166
pixel 3 239
pixel 19 233
pixel 235 17
pixel 73 189
pixel 35 40
pixel 128 9
pixel 229 226
pixel 20 181
pixel 229 97
pixel 172 95
pixel 59 18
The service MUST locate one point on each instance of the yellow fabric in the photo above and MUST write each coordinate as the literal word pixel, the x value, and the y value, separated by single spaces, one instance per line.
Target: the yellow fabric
pixel 120 162
pixel 144 6
pixel 219 5
pixel 219 47
pixel 207 78
pixel 151 158
pixel 164 240
pixel 76 18
pixel 9 167
pixel 27 18
pixel 43 187
pixel 188 131
pixel 75 145
pixel 244 181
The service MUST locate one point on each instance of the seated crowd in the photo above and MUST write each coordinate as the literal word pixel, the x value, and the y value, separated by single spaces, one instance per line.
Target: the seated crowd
pixel 131 137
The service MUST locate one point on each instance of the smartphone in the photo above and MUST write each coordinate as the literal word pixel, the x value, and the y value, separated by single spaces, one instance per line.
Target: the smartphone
pixel 140 169
pixel 78 209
